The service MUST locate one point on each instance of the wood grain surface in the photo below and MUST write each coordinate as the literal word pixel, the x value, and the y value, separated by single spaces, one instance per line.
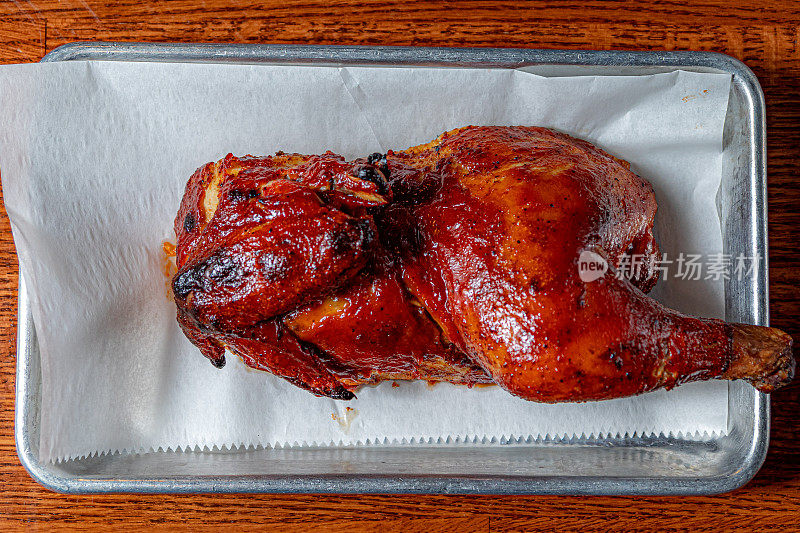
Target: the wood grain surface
pixel 765 35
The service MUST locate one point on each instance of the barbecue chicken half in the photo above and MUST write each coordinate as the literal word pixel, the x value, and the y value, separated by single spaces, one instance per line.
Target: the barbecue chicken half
pixel 456 261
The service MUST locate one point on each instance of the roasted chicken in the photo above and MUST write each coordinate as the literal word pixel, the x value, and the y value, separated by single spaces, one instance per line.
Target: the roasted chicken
pixel 451 261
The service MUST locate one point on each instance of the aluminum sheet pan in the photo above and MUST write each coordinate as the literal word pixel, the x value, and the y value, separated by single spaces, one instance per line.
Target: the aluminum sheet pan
pixel 655 465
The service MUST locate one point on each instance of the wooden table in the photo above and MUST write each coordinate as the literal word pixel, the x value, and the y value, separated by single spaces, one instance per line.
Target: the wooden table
pixel 766 36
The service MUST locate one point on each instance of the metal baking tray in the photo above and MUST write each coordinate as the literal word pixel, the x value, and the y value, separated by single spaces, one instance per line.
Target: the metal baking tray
pixel 638 465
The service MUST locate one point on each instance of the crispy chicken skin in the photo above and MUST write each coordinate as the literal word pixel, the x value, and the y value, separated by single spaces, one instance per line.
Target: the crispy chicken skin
pixel 455 260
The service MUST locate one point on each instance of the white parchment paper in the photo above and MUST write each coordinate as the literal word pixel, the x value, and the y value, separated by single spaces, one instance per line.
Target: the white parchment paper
pixel 94 159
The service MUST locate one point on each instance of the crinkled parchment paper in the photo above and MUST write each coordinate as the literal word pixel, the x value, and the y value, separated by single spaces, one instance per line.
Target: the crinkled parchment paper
pixel 94 159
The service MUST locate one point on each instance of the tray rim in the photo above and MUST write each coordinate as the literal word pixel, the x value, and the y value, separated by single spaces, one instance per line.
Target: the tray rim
pixel 384 55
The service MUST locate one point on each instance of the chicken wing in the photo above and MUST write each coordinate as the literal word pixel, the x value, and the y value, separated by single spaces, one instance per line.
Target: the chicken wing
pixel 279 261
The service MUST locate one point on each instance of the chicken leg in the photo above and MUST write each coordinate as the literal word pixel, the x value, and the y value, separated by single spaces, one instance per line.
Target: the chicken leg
pixel 495 262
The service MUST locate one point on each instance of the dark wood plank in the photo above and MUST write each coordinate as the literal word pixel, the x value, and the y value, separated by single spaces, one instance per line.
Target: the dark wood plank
pixel 765 35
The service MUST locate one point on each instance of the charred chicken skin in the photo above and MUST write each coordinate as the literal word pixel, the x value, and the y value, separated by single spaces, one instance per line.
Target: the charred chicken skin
pixel 456 261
